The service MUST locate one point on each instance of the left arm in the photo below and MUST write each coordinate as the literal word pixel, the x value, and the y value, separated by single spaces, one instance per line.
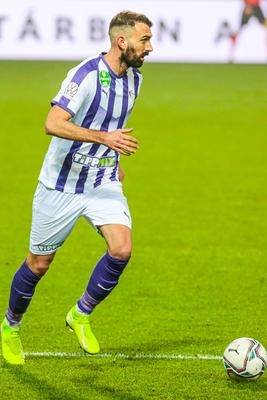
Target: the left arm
pixel 121 173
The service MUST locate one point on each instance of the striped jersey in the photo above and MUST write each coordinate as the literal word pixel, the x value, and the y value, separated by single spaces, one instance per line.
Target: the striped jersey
pixel 98 99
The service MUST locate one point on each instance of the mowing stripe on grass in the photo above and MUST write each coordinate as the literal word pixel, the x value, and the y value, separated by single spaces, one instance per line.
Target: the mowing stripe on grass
pixel 129 356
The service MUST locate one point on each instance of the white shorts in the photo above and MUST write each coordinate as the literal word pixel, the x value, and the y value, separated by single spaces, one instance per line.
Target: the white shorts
pixel 54 213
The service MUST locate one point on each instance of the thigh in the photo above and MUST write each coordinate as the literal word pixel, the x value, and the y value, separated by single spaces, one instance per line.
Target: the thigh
pixel 54 214
pixel 108 206
pixel 246 15
pixel 115 235
pixel 118 239
pixel 259 15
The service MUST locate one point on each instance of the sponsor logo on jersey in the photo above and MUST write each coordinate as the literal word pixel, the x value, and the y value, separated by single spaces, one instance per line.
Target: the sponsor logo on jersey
pixel 88 161
pixel 71 90
pixel 104 78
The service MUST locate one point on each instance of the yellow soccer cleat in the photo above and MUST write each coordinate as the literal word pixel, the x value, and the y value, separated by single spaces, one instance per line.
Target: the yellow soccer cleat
pixel 11 344
pixel 79 323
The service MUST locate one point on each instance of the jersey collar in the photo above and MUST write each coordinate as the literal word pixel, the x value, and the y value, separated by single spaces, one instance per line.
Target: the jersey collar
pixel 111 72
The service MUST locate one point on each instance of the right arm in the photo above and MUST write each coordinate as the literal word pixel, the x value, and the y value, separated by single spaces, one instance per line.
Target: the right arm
pixel 58 124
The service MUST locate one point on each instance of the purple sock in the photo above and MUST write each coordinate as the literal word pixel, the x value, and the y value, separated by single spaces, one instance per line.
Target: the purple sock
pixel 22 290
pixel 102 281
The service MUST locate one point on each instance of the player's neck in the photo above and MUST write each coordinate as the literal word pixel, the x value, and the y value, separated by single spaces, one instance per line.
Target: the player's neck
pixel 114 62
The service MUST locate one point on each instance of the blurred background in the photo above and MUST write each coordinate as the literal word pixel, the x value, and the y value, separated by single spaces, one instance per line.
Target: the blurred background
pixel 184 30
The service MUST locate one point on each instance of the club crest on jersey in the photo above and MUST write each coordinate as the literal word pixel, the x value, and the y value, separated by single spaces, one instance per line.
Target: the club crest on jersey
pixel 71 90
pixel 104 78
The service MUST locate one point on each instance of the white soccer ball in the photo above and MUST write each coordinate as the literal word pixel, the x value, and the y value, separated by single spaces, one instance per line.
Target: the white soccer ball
pixel 245 359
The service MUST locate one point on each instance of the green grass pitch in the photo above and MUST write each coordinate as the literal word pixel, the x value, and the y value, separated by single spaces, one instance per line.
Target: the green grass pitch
pixel 197 279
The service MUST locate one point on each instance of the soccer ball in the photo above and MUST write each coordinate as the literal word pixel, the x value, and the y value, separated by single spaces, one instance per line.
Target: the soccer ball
pixel 245 359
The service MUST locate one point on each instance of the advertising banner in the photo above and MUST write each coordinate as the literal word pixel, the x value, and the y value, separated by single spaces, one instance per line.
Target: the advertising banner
pixel 184 31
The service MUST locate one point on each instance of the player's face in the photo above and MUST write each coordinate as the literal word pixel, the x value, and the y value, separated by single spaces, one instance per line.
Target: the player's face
pixel 139 46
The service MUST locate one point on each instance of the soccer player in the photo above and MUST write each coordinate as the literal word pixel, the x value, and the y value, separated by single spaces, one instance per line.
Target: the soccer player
pixel 251 9
pixel 81 176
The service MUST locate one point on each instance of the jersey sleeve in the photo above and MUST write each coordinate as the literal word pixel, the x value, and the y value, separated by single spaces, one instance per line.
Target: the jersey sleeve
pixel 74 90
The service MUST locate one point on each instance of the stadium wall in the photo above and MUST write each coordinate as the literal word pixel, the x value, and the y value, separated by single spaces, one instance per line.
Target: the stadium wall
pixel 184 31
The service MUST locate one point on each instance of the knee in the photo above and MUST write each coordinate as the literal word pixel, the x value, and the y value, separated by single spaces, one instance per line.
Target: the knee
pixel 122 252
pixel 39 264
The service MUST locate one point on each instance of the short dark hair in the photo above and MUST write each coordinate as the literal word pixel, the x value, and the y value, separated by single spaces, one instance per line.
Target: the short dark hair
pixel 128 18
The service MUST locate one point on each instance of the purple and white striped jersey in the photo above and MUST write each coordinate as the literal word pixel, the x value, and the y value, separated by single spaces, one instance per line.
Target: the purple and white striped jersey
pixel 99 99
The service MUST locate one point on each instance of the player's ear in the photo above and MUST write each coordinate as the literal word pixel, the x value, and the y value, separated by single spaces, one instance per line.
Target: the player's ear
pixel 122 42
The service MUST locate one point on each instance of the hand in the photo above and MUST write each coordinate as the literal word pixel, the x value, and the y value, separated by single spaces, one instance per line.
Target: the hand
pixel 119 141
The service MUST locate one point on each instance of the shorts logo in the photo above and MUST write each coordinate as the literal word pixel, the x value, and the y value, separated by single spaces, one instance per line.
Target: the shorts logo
pixel 71 90
pixel 127 215
pixel 104 78
pixel 87 161
pixel 51 247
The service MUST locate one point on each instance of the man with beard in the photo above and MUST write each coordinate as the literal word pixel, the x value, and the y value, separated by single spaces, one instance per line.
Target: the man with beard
pixel 81 176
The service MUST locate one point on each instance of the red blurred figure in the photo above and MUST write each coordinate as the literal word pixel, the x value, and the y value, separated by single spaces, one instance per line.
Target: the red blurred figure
pixel 252 8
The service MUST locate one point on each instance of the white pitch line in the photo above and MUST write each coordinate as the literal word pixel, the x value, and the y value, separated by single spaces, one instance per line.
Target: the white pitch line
pixel 128 356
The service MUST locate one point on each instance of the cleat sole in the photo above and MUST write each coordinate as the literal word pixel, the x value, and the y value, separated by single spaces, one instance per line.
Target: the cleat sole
pixel 69 327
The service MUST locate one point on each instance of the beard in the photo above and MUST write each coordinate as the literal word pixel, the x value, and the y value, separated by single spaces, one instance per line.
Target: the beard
pixel 131 59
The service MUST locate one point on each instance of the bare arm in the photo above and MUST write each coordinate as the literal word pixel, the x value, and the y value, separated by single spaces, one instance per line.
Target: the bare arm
pixel 58 124
pixel 121 173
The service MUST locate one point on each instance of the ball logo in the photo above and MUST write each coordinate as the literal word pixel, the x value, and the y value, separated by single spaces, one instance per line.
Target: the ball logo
pixel 104 78
pixel 245 359
pixel 71 90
